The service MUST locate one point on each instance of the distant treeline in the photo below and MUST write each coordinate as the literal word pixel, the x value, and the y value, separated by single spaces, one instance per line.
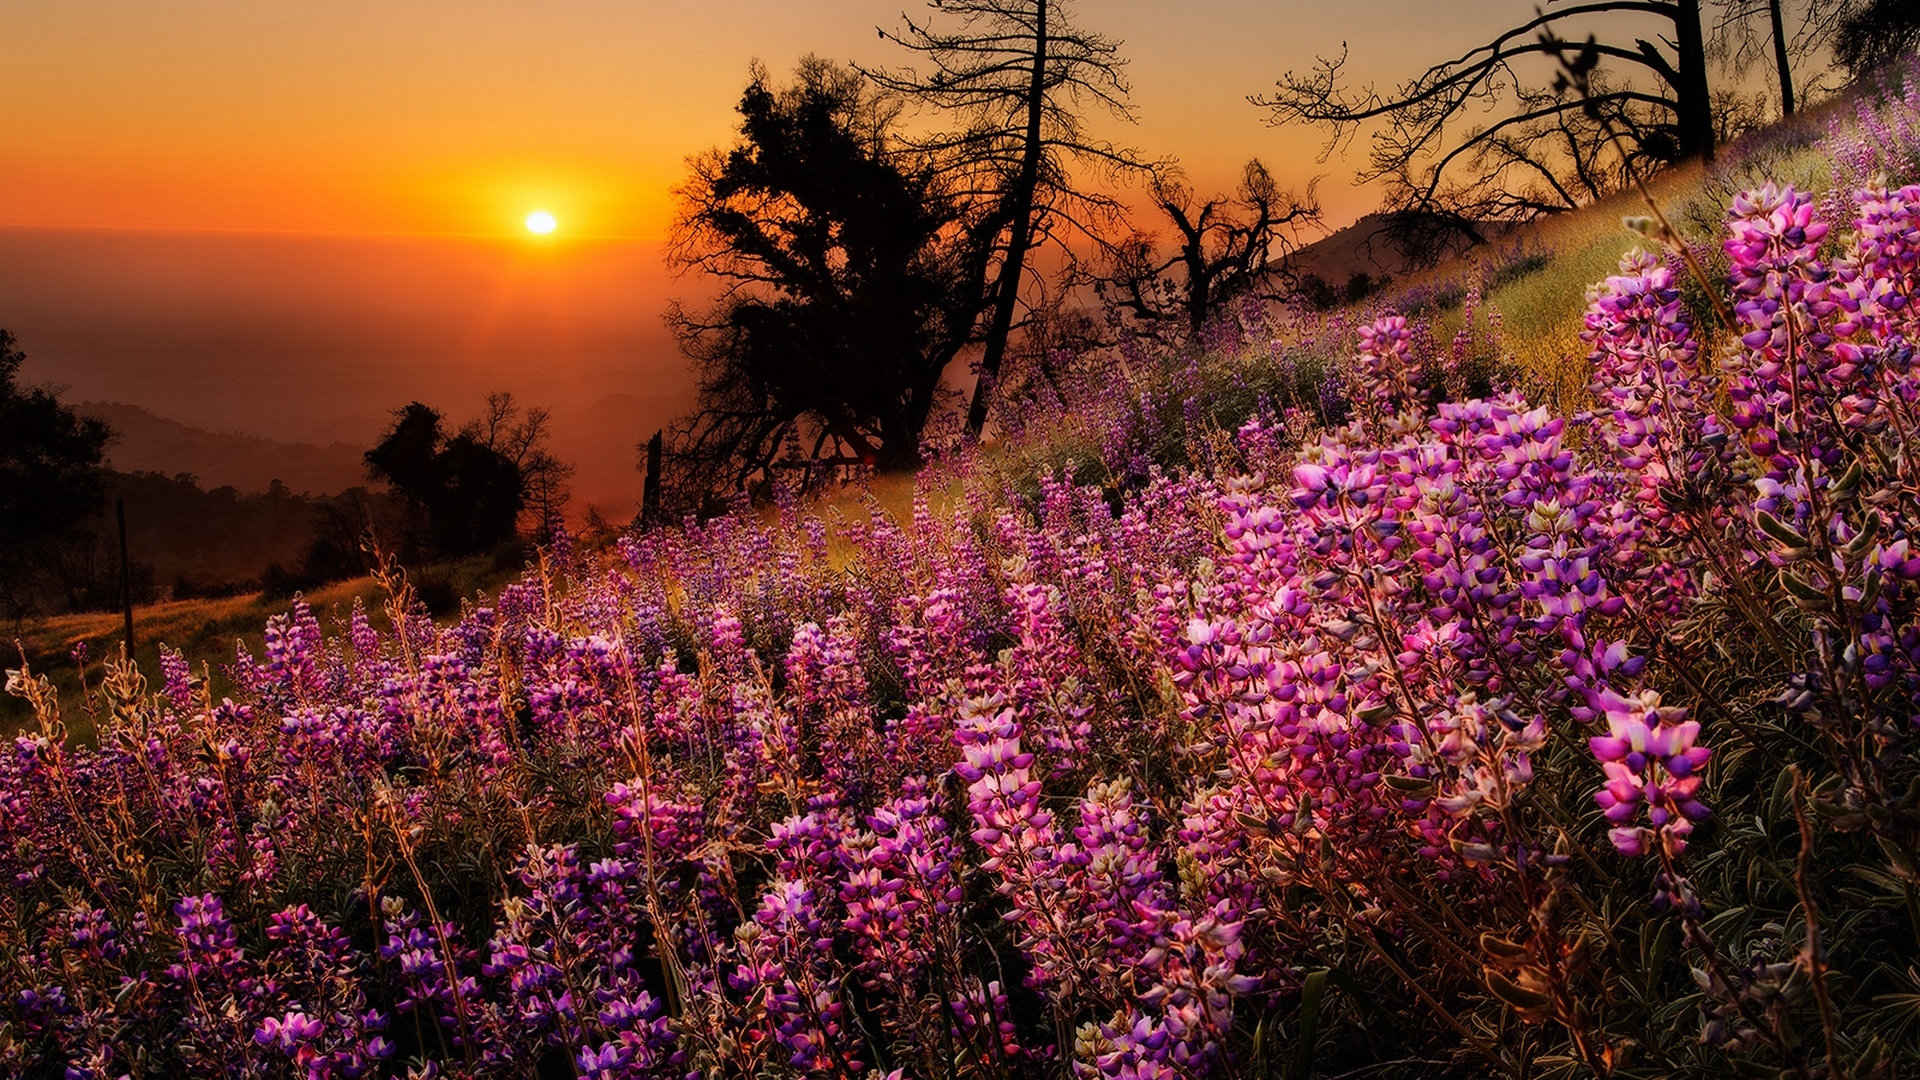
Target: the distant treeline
pixel 185 541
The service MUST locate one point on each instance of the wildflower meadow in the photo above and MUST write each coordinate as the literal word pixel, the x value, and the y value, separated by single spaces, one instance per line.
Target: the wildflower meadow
pixel 1418 724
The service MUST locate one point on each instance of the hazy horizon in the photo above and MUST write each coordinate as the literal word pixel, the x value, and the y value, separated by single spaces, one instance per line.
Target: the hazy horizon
pixel 317 339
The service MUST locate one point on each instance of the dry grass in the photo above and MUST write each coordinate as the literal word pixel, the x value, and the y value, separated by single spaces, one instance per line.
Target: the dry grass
pixel 206 630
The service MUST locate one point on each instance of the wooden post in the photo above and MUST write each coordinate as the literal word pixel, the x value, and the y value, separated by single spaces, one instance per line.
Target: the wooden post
pixel 650 494
pixel 126 574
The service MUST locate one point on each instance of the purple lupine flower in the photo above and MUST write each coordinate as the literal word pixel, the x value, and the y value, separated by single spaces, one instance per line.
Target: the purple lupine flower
pixel 1652 764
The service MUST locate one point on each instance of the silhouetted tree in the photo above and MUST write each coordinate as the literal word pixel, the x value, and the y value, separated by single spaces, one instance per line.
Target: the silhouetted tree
pixel 470 493
pixel 1224 248
pixel 520 434
pixel 1748 31
pixel 340 529
pixel 1543 152
pixel 1786 33
pixel 1873 35
pixel 1061 338
pixel 407 457
pixel 653 453
pixel 850 281
pixel 1318 293
pixel 314 538
pixel 1019 75
pixel 1361 285
pixel 50 476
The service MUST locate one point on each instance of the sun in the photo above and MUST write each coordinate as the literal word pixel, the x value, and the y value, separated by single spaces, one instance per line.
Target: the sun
pixel 540 223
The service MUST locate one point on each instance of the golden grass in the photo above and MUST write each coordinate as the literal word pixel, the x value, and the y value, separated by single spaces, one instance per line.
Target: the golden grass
pixel 1542 310
pixel 179 621
pixel 205 629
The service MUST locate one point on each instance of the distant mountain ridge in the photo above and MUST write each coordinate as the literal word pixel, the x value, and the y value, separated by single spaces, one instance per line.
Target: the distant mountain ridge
pixel 146 442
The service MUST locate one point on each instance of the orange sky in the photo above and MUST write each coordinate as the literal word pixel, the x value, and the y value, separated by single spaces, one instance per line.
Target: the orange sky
pixel 457 116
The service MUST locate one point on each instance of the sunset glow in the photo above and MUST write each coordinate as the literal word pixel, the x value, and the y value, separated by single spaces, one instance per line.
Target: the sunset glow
pixel 362 129
pixel 540 223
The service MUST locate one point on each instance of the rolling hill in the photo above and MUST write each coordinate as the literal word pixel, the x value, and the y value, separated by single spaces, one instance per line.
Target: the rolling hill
pixel 147 442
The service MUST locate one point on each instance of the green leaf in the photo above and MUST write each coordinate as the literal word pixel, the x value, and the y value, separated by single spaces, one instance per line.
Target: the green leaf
pixel 1899 860
pixel 1503 950
pixel 1521 998
pixel 1311 992
pixel 1656 954
pixel 1376 715
pixel 1782 791
pixel 1869 1061
pixel 1849 480
pixel 1251 823
pixel 1864 540
pixel 1802 591
pixel 1779 530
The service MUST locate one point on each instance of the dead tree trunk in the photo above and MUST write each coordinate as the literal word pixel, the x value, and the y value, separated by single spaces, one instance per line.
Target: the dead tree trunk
pixel 1007 291
pixel 1780 57
pixel 650 492
pixel 1694 99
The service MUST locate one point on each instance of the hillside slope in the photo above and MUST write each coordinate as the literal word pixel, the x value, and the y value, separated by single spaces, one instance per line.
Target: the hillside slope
pixel 147 442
